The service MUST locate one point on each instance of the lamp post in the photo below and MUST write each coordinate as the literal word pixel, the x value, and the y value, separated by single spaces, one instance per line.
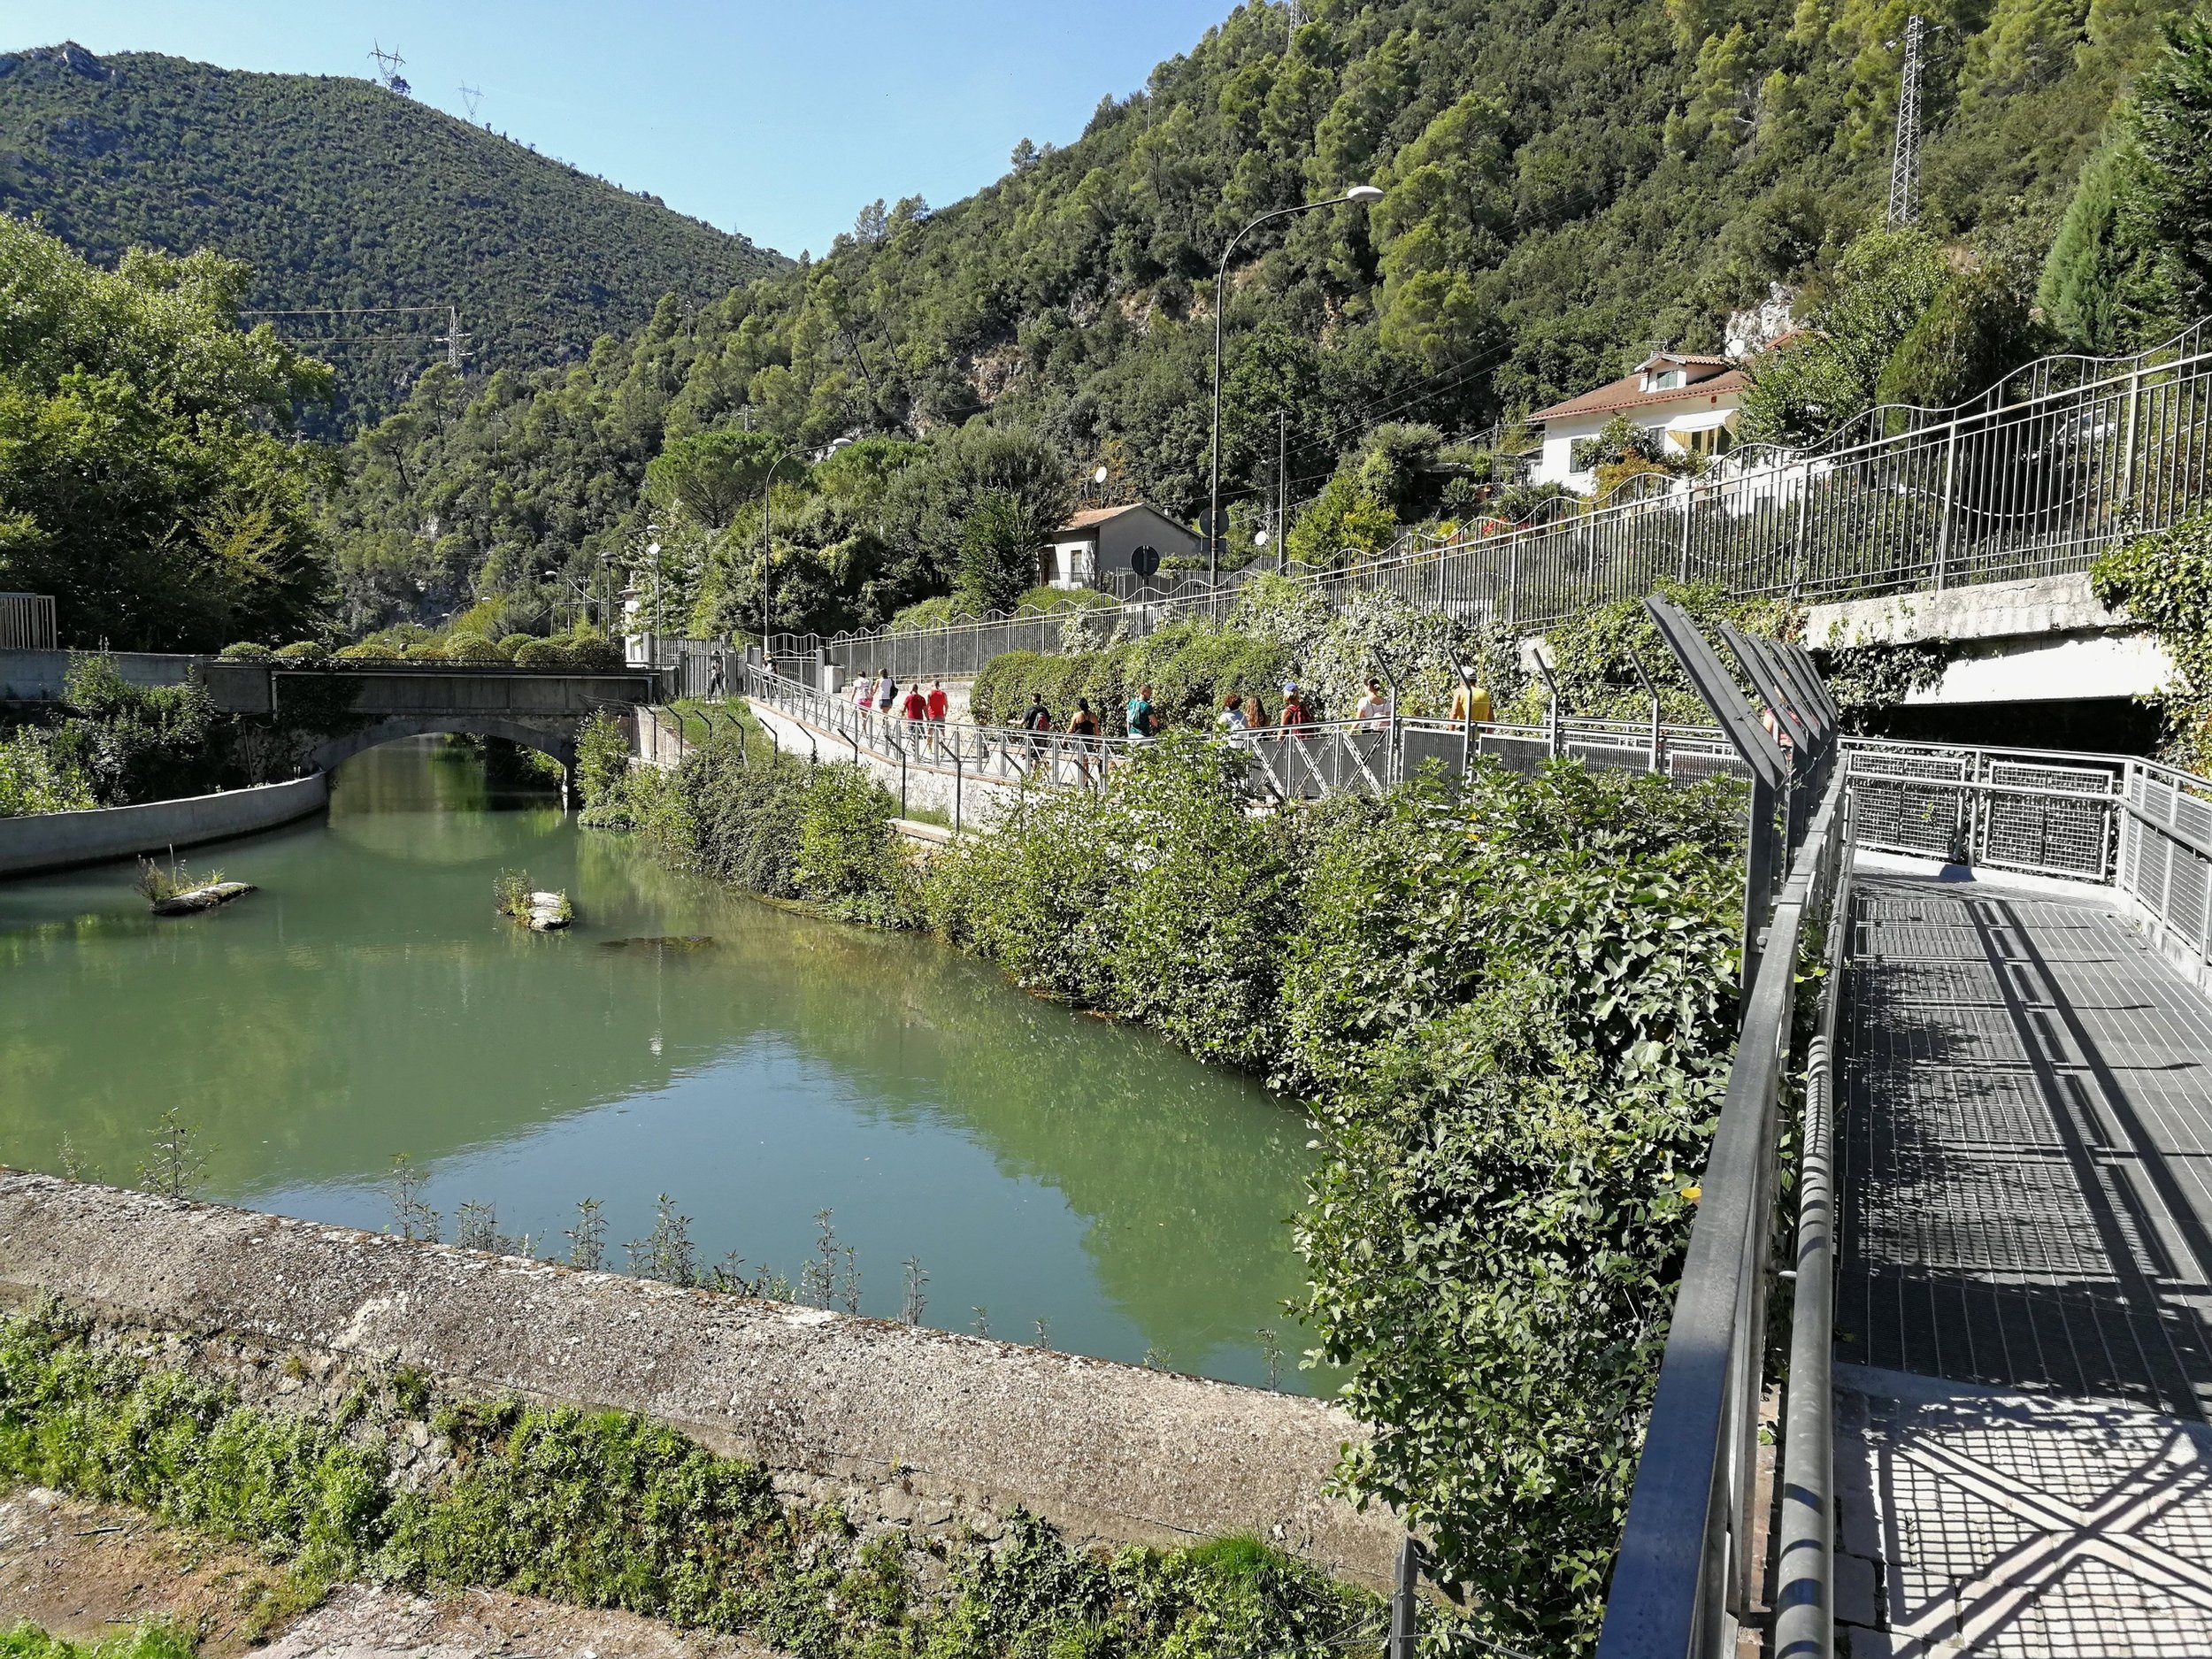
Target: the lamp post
pixel 767 550
pixel 1365 195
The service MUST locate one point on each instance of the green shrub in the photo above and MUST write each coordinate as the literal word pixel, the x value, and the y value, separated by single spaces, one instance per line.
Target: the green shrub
pixel 428 651
pixel 154 1639
pixel 509 644
pixel 246 652
pixel 594 653
pixel 1511 1004
pixel 304 654
pixel 544 654
pixel 34 777
pixel 848 856
pixel 603 757
pixel 930 613
pixel 366 651
pixel 472 647
pixel 135 743
pixel 2165 582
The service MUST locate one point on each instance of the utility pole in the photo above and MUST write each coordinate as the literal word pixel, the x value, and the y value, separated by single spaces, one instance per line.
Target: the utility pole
pixel 1904 166
pixel 1282 487
pixel 388 67
pixel 454 340
pixel 471 96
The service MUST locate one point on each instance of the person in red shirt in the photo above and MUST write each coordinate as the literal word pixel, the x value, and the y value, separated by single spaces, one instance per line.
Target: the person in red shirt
pixel 937 700
pixel 916 709
pixel 1293 711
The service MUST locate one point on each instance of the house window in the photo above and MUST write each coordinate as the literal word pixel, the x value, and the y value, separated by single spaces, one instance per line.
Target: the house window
pixel 1667 380
pixel 1705 441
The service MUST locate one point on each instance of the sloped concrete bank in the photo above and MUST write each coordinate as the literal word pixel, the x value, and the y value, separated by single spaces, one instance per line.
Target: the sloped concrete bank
pixel 63 840
pixel 916 1428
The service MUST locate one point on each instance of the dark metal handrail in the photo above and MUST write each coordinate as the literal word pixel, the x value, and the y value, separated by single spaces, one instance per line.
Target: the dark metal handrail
pixel 1684 1578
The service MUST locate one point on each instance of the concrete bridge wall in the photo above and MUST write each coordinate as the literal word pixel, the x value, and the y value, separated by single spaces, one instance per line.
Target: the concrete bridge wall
pixel 63 840
pixel 901 1424
pixel 2044 640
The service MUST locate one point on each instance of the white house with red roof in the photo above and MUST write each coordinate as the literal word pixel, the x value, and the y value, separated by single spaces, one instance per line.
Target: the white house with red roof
pixel 1690 400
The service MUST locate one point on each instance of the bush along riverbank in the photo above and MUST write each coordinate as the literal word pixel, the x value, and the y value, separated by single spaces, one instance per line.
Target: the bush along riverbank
pixel 111 743
pixel 1511 1006
pixel 604 1510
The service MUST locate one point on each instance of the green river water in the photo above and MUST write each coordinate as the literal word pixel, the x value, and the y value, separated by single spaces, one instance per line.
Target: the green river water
pixel 367 1001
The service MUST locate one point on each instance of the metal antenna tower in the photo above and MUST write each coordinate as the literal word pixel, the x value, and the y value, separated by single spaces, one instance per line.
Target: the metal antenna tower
pixel 388 67
pixel 454 341
pixel 1295 14
pixel 471 96
pixel 1904 166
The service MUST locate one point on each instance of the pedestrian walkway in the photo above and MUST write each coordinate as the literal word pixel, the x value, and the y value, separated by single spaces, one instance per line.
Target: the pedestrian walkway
pixel 2024 1281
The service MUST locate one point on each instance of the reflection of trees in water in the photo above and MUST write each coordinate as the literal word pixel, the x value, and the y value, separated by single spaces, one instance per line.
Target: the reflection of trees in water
pixel 362 1005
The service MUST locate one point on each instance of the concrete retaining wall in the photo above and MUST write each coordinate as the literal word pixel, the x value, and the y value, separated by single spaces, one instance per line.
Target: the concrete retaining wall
pixel 61 841
pixel 904 1426
pixel 2024 641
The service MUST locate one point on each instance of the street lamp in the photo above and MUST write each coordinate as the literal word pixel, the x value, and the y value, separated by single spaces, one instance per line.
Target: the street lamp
pixel 1367 195
pixel 767 551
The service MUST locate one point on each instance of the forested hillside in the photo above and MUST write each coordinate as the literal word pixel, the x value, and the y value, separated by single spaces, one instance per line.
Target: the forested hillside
pixel 336 192
pixel 1569 182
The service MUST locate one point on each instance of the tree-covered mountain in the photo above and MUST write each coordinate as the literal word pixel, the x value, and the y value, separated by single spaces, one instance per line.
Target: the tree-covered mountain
pixel 1567 183
pixel 338 193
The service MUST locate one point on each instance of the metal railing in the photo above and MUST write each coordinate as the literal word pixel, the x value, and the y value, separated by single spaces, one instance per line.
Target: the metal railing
pixel 1688 1570
pixel 1685 1578
pixel 26 622
pixel 2056 462
pixel 1283 763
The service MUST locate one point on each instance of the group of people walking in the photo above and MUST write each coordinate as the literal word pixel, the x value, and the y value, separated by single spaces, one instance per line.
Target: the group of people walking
pixel 882 697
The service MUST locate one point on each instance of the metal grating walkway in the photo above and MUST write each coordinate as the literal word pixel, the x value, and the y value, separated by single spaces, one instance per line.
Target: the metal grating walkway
pixel 2026 1153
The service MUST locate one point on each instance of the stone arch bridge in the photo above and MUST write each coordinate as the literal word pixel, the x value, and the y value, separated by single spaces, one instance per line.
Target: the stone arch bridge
pixel 377 703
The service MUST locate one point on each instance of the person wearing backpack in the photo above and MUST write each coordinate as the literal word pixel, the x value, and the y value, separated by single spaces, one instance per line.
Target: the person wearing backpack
pixel 1143 724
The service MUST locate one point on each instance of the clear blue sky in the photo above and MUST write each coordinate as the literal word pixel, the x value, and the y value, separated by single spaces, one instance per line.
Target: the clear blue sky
pixel 779 120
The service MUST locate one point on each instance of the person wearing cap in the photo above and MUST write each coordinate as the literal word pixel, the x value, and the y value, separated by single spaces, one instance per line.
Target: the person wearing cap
pixel 1295 714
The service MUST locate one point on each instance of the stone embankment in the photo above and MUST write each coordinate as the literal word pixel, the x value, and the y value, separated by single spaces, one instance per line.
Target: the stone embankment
pixel 62 841
pixel 903 1427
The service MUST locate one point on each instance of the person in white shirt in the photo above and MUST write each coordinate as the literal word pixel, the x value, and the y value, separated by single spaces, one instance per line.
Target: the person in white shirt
pixel 1373 713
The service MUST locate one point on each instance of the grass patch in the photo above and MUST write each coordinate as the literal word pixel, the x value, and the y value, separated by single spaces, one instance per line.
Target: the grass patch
pixel 604 1510
pixel 151 1640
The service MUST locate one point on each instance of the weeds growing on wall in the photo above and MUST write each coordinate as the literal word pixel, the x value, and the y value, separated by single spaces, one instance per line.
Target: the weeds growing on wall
pixel 2165 582
pixel 604 1510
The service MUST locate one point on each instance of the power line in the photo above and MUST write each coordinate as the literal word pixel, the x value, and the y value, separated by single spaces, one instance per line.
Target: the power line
pixel 350 310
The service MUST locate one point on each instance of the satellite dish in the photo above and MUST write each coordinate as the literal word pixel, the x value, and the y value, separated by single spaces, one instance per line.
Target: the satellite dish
pixel 1146 562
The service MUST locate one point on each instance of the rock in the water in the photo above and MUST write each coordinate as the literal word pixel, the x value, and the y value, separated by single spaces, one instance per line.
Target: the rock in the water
pixel 198 899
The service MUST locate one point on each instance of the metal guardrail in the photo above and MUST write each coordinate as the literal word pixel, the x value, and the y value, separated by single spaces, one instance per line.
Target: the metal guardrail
pixel 1687 1570
pixel 1284 763
pixel 2058 461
